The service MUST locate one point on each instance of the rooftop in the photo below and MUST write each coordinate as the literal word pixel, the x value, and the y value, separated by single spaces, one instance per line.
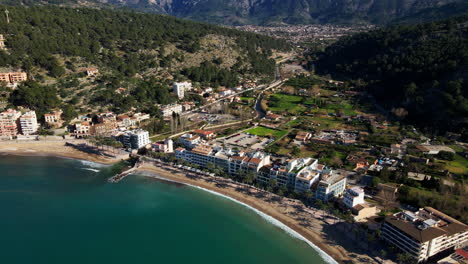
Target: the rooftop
pixel 426 224
pixel 331 178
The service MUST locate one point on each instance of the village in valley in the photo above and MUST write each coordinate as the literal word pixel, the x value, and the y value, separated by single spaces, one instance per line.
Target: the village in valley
pixel 301 137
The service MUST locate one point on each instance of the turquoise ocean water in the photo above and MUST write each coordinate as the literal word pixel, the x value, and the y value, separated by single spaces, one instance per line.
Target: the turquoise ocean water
pixel 63 211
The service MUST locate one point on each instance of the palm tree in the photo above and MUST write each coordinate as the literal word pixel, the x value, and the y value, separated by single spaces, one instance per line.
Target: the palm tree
pixel 383 255
pixel 370 239
pixel 249 178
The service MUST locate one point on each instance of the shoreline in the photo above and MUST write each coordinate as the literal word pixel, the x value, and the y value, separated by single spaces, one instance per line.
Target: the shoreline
pixel 313 236
pixel 276 208
pixel 57 149
pixel 270 219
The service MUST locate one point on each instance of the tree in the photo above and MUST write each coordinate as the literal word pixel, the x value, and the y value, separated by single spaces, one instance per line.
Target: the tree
pixel 296 151
pixel 383 255
pixel 249 177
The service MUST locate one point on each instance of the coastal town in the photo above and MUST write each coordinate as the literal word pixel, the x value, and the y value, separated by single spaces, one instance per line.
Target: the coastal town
pixel 278 148
pixel 319 154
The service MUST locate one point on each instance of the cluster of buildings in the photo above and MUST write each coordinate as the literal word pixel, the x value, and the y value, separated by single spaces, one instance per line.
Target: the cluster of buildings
pixel 13 122
pixel 106 124
pixel 300 175
pixel 168 110
pixel 306 33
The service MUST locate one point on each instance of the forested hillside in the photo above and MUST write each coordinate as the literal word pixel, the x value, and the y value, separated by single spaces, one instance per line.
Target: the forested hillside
pixel 131 50
pixel 418 72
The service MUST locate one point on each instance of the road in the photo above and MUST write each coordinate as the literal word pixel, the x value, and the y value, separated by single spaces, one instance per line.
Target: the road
pixel 277 82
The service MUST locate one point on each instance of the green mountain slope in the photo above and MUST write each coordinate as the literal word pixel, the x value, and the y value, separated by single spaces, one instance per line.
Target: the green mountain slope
pixel 140 52
pixel 420 72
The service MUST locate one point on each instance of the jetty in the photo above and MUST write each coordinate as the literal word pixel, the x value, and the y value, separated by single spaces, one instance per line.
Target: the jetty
pixel 117 178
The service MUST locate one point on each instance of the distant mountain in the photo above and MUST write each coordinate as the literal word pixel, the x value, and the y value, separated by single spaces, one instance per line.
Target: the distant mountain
pixel 420 72
pixel 434 13
pixel 273 12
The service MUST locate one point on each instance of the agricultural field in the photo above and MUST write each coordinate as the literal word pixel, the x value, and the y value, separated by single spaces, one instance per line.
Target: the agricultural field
pixel 458 165
pixel 266 132
pixel 286 103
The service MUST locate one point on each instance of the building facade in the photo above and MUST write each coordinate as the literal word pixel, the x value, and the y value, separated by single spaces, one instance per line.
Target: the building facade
pixel 167 110
pixel 353 197
pixel 180 88
pixel 9 123
pixel 424 233
pixel 134 139
pixel 28 123
pixel 330 186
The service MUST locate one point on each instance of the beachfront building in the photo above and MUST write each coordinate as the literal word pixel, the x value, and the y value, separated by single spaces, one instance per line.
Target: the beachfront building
pixel 248 162
pixel 331 185
pixel 205 156
pixel 134 139
pixel 285 173
pixel 353 197
pixel 424 233
pixel 54 119
pixel 305 180
pixel 8 123
pixel 189 140
pixel 167 110
pixel 166 147
pixel 28 123
pixel 82 129
pixel 180 88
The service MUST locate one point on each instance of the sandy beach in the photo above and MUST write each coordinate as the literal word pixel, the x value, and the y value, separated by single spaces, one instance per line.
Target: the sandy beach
pixel 324 233
pixel 51 148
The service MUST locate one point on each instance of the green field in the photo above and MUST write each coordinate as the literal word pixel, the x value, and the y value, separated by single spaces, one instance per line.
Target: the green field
pixel 247 98
pixel 458 165
pixel 264 132
pixel 284 102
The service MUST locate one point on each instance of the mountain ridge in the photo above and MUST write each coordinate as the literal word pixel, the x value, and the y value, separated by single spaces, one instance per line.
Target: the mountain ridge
pixel 269 12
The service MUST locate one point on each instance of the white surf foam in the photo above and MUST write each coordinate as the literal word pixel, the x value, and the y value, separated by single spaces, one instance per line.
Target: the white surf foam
pixel 90 164
pixel 265 216
pixel 91 169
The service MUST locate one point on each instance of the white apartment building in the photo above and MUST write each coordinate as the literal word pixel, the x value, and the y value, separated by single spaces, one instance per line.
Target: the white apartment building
pixel 353 197
pixel 331 185
pixel 250 162
pixel 180 88
pixel 54 119
pixel 8 123
pixel 285 174
pixel 82 129
pixel 204 155
pixel 167 110
pixel 424 233
pixel 305 179
pixel 190 140
pixel 28 123
pixel 134 139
